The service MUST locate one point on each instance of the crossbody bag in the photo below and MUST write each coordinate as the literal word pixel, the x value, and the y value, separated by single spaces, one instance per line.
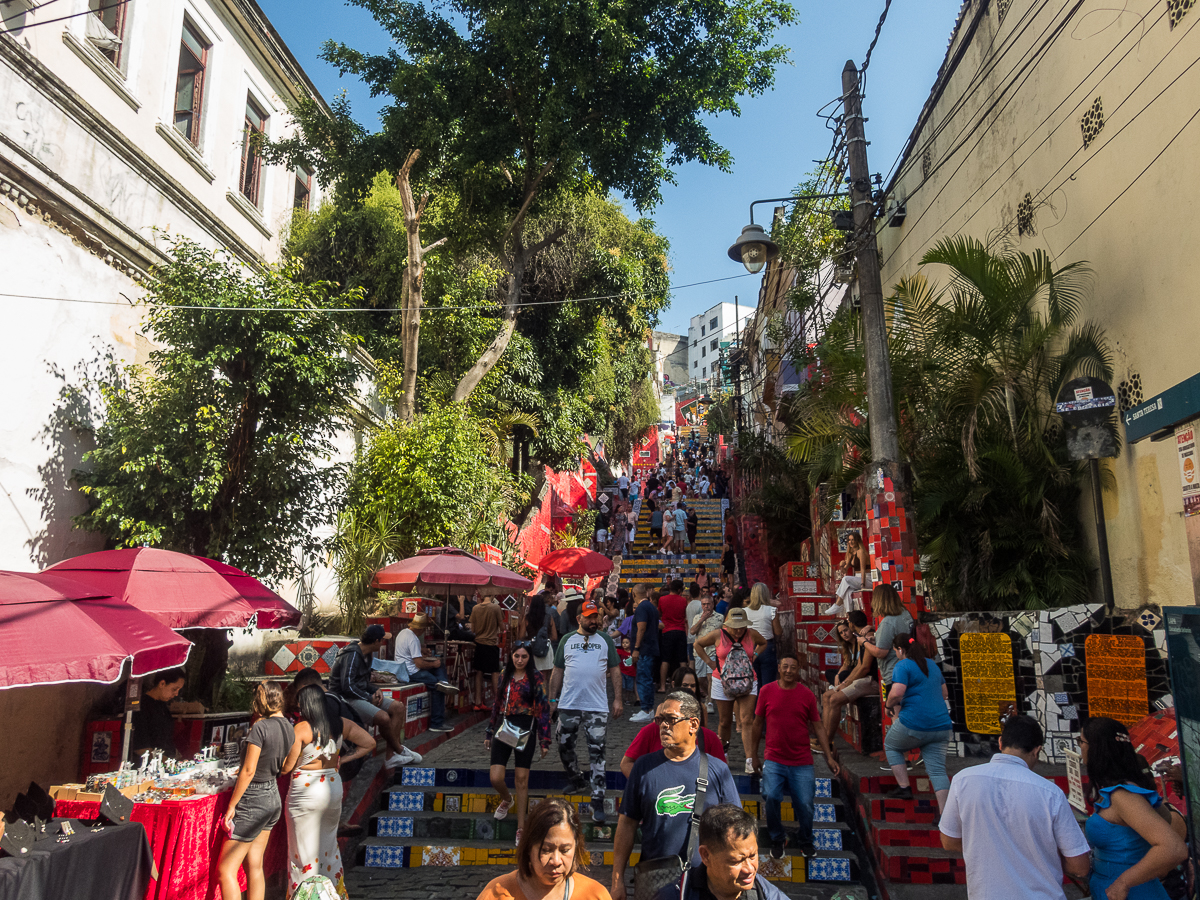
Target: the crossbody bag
pixel 651 875
pixel 508 733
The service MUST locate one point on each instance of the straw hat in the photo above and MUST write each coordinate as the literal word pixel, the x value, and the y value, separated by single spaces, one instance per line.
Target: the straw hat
pixel 737 618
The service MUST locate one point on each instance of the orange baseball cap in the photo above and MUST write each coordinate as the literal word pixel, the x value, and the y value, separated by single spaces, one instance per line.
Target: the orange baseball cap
pixel 589 608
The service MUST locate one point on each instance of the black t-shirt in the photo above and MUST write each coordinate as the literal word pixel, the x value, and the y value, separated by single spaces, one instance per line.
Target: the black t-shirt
pixel 153 728
pixel 274 736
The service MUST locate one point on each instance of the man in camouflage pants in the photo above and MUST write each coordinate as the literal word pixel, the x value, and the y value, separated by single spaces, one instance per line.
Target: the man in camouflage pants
pixel 583 659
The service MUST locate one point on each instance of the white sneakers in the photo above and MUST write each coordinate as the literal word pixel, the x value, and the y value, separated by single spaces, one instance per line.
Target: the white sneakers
pixel 405 758
pixel 503 808
pixel 641 718
pixel 749 767
pixel 835 609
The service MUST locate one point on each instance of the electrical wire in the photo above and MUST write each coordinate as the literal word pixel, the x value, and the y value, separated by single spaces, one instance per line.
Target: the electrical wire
pixel 23 12
pixel 371 309
pixel 862 72
pixel 86 12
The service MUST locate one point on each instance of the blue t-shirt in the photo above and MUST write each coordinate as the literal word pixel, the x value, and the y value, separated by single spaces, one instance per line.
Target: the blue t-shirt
pixel 646 612
pixel 680 519
pixel 660 794
pixel 924 708
pixel 656 519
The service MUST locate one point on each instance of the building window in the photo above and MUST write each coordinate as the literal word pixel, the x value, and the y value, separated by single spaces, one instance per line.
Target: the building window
pixel 303 188
pixel 255 127
pixel 701 331
pixel 703 352
pixel 713 345
pixel 189 83
pixel 712 323
pixel 704 372
pixel 695 365
pixel 106 29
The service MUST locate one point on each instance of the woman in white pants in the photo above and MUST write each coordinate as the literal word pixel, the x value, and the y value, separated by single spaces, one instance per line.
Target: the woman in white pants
pixel 853 572
pixel 314 801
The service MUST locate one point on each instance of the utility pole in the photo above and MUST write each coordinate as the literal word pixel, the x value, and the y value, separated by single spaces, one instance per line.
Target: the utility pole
pixel 885 445
pixel 891 524
pixel 735 363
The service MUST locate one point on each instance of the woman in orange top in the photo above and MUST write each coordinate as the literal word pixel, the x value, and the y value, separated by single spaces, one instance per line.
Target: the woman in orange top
pixel 548 859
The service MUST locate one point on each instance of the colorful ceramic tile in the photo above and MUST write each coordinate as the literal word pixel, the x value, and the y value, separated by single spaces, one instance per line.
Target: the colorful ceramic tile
pixel 422 777
pixel 827 838
pixel 452 803
pixel 824 812
pixel 775 869
pixel 1116 677
pixel 834 869
pixel 406 801
pixel 385 857
pixel 988 680
pixel 440 856
pixel 824 787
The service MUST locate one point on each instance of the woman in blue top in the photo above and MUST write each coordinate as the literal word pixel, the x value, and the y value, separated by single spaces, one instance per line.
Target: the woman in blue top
pixel 918 692
pixel 1131 830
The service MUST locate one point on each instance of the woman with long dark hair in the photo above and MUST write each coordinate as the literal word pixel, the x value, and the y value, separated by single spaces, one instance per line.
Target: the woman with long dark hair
pixel 1130 830
pixel 538 626
pixel 918 696
pixel 522 703
pixel 314 801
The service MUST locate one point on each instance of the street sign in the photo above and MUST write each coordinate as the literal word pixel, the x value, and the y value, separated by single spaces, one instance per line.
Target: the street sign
pixel 1163 411
pixel 1086 406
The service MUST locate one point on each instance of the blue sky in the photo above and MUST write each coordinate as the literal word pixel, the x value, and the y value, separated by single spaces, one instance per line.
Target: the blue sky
pixel 774 141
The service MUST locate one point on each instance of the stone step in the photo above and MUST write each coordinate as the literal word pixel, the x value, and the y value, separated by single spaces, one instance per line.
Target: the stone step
pixel 921 810
pixel 904 834
pixel 921 865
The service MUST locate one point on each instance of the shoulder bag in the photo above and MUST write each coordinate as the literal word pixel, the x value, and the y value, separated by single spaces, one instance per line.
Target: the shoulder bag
pixel 651 875
pixel 508 733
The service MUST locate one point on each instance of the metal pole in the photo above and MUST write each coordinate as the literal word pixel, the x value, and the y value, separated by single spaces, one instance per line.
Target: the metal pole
pixel 1106 587
pixel 885 445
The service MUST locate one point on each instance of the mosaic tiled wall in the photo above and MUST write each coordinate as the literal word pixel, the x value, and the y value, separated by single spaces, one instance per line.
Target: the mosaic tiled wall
pixel 1065 664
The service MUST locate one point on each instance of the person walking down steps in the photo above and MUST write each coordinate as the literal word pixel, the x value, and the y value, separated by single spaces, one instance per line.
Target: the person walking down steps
pixel 585 658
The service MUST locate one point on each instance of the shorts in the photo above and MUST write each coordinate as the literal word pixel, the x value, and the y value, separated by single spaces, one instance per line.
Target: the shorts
pixel 502 751
pixel 656 532
pixel 628 682
pixel 487 659
pixel 366 710
pixel 257 811
pixel 859 688
pixel 718 693
pixel 700 666
pixel 673 647
pixel 668 530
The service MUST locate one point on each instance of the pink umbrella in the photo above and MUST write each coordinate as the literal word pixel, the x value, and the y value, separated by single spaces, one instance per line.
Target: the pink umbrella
pixel 180 590
pixel 577 561
pixel 450 569
pixel 56 630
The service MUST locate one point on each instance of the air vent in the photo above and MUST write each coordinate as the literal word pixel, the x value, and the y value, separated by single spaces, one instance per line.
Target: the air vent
pixel 1092 122
pixel 1025 217
pixel 1002 10
pixel 1129 392
pixel 927 162
pixel 1177 9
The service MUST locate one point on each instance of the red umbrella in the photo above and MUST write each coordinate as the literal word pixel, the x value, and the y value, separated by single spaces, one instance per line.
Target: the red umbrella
pixel 448 568
pixel 57 630
pixel 180 590
pixel 576 561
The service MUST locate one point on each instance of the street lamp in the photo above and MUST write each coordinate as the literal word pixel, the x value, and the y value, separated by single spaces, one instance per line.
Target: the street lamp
pixel 753 249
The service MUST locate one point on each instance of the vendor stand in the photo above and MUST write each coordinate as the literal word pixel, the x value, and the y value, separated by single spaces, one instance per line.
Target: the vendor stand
pixel 109 863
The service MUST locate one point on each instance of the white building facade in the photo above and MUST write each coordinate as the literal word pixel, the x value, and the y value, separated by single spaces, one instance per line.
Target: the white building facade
pixel 719 324
pixel 120 124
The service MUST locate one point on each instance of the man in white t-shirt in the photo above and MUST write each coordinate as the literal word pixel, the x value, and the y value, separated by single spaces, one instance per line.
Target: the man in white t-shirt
pixel 623 486
pixel 582 662
pixel 425 670
pixel 1015 829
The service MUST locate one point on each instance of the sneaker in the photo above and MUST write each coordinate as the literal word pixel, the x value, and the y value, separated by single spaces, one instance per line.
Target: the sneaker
pixel 776 849
pixel 900 793
pixel 413 756
pixel 808 850
pixel 396 760
pixel 836 609
pixel 517 842
pixel 441 729
pixel 641 718
pixel 503 808
pixel 577 785
pixel 749 767
pixel 598 812
pixel 712 709
pixel 445 687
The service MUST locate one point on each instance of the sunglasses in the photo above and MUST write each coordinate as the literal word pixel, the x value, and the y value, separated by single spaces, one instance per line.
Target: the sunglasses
pixel 670 721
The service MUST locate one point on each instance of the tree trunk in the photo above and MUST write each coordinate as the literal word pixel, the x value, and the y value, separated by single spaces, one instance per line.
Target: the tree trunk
pixel 508 322
pixel 411 295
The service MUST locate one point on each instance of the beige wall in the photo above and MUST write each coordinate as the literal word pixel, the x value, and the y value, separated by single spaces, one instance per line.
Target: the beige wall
pixel 1010 125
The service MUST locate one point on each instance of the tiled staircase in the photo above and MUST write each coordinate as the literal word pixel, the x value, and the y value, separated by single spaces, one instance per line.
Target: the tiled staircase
pixel 643 565
pixel 443 817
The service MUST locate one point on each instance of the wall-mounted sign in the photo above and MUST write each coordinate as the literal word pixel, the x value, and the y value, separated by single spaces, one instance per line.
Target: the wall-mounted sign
pixel 1164 411
pixel 1185 446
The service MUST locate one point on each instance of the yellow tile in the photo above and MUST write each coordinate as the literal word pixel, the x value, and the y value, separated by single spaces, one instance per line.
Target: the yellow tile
pixel 415 854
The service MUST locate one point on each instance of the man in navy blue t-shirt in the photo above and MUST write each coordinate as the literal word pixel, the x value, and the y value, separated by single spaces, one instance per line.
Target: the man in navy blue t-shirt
pixel 661 790
pixel 645 652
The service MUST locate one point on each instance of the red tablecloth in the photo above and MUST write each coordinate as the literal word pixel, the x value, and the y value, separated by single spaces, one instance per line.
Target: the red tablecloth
pixel 185 841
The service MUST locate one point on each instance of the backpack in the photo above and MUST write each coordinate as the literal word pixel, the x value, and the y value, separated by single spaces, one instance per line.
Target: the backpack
pixel 541 641
pixel 737 675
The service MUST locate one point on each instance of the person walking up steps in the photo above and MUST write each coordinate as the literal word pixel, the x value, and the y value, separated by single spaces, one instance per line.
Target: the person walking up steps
pixel 583 660
pixel 645 651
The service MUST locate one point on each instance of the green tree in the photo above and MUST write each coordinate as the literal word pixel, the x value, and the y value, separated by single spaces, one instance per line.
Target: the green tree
pixel 519 102
pixel 222 446
pixel 976 366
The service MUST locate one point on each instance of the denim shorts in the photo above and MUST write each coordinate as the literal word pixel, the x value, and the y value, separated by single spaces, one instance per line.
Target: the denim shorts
pixel 257 811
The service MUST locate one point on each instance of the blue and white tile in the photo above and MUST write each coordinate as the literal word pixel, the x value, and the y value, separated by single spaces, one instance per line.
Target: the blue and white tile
pixel 829 869
pixel 824 812
pixel 824 787
pixel 395 826
pixel 406 801
pixel 422 777
pixel 385 857
pixel 827 838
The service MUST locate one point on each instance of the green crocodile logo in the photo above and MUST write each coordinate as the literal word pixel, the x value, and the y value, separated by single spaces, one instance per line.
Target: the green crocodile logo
pixel 672 802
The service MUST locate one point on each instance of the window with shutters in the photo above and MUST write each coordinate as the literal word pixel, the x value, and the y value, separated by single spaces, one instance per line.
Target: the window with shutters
pixel 189 83
pixel 106 28
pixel 713 345
pixel 252 134
pixel 303 188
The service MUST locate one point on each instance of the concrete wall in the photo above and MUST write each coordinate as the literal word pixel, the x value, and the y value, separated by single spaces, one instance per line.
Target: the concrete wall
pixel 1002 140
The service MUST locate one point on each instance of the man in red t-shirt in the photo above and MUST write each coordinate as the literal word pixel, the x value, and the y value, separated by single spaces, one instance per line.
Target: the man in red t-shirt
pixel 648 740
pixel 787 711
pixel 672 644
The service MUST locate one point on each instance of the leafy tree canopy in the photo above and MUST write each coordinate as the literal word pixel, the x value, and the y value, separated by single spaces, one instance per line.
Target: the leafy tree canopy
pixel 222 445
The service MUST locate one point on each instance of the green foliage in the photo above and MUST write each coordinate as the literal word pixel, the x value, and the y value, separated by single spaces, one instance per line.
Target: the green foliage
pixel 778 492
pixel 976 366
pixel 221 446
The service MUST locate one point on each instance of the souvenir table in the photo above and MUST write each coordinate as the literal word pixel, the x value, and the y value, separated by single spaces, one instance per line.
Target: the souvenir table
pixel 111 863
pixel 185 838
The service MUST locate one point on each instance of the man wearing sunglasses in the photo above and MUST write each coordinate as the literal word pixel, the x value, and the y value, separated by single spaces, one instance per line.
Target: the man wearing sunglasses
pixel 661 792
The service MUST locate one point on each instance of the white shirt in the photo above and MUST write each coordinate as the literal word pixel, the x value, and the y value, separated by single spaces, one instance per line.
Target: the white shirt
pixel 585 662
pixel 408 646
pixel 1013 825
pixel 623 482
pixel 761 619
pixel 694 608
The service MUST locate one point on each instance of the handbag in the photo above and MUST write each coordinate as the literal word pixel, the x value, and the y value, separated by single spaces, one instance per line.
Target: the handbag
pixel 652 875
pixel 508 733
